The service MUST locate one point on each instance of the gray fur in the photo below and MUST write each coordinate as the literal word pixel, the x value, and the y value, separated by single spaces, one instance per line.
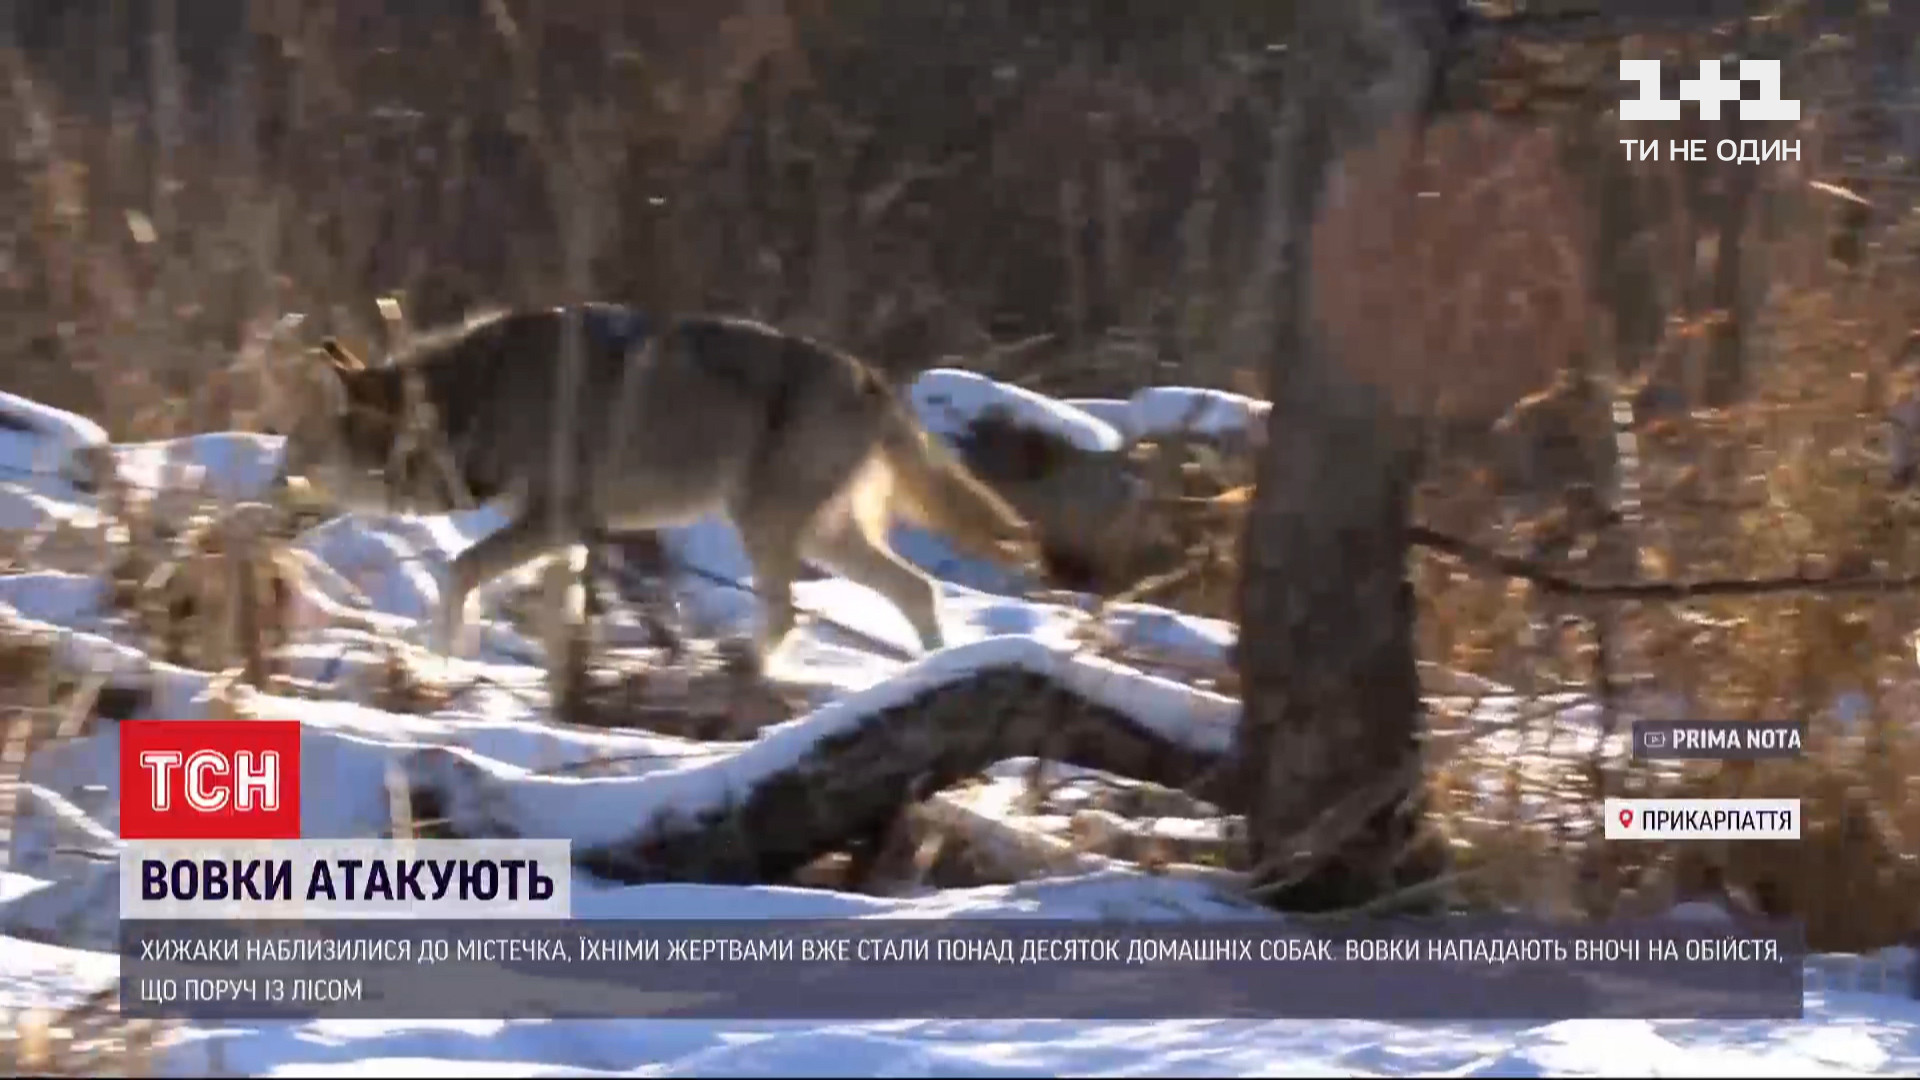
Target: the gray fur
pixel 806 449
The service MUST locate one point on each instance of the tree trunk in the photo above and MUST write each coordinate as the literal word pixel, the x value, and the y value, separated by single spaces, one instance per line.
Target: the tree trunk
pixel 1726 374
pixel 1329 738
pixel 1332 699
pixel 1726 363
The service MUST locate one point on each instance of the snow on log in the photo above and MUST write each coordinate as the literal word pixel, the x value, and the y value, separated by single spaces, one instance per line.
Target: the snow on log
pixel 949 400
pixel 41 442
pixel 1160 411
pixel 846 771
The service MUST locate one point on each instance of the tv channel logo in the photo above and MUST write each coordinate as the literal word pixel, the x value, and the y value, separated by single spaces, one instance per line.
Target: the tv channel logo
pixel 210 780
pixel 1709 91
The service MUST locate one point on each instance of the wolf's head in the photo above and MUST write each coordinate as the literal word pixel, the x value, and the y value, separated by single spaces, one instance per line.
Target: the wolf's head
pixel 942 492
pixel 1011 539
pixel 342 421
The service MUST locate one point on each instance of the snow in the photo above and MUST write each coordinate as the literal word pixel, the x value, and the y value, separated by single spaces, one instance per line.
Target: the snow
pixel 59 598
pixel 1116 413
pixel 1164 410
pixel 42 464
pixel 226 466
pixel 947 400
pixel 41 440
pixel 591 785
pixel 24 509
pixel 1161 410
pixel 52 977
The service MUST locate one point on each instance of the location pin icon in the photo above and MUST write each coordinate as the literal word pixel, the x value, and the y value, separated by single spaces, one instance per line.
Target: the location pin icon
pixel 1626 818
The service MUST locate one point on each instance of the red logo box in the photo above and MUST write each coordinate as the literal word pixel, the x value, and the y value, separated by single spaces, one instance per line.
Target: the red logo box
pixel 210 779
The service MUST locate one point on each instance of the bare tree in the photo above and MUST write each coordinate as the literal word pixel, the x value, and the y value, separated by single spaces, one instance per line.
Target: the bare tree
pixel 1365 355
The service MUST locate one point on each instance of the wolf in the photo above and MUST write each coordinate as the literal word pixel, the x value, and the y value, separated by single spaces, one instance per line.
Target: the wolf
pixel 810 452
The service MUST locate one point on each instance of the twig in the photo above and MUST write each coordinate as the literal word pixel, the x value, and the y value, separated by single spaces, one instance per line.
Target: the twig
pixel 1557 584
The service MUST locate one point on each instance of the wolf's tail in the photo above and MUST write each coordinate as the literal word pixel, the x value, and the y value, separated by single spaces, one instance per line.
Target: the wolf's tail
pixel 933 488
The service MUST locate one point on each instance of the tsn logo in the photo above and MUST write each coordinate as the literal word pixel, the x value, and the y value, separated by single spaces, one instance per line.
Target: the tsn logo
pixel 210 780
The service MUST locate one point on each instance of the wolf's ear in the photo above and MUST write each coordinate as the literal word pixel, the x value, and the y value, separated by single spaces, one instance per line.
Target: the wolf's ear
pixel 340 356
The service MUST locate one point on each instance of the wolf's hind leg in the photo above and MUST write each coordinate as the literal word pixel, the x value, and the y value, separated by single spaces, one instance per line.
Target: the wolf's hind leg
pixel 845 546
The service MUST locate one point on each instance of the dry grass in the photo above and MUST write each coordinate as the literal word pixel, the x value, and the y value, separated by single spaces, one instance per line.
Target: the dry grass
pixel 40 704
pixel 89 1040
pixel 1792 479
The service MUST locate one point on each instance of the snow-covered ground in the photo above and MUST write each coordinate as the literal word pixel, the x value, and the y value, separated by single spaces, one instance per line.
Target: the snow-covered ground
pixel 57 910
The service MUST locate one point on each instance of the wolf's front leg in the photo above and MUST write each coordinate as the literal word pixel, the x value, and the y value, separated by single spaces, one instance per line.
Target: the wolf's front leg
pixel 773 573
pixel 870 562
pixel 527 537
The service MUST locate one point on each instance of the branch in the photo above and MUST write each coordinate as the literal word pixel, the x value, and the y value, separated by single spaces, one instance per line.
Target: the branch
pixel 1476 60
pixel 1595 19
pixel 1558 584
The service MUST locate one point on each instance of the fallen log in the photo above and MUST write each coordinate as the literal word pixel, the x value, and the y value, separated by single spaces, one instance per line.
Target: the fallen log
pixel 842 775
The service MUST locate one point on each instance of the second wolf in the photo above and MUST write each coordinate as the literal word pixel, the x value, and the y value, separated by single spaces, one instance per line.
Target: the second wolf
pixel 806 449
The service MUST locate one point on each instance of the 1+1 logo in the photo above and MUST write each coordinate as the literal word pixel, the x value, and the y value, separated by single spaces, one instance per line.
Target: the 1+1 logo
pixel 1710 91
pixel 210 780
